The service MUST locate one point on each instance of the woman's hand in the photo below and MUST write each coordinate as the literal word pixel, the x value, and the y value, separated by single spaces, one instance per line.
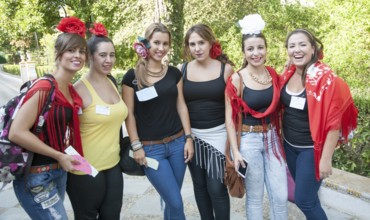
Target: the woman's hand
pixel 325 167
pixel 139 157
pixel 67 162
pixel 188 150
pixel 238 160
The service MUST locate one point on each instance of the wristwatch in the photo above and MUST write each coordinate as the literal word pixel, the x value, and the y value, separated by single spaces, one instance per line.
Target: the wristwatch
pixel 189 136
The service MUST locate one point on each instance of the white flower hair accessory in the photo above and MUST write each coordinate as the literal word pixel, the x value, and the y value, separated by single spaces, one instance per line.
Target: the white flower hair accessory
pixel 252 24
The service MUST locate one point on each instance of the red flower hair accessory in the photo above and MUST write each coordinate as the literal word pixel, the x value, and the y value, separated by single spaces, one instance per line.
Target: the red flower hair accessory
pixel 99 30
pixel 216 50
pixel 72 25
pixel 321 55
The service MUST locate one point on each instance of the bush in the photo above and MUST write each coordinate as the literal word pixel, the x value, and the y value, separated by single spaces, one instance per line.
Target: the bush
pixel 355 156
pixel 12 69
pixel 2 59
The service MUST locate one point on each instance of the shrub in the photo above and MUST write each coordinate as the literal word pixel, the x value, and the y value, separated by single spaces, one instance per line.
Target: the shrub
pixel 355 156
pixel 2 59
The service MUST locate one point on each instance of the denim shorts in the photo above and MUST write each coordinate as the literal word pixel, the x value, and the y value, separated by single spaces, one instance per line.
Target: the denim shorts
pixel 42 194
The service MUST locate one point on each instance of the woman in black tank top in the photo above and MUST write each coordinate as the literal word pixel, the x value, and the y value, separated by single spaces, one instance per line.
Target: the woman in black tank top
pixel 204 85
pixel 254 91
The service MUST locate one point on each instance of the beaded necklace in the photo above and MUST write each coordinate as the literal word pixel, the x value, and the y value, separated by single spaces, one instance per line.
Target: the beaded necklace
pixel 264 82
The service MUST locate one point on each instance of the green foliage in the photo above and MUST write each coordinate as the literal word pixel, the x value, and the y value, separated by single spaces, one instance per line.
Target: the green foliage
pixel 355 156
pixel 15 69
pixel 2 59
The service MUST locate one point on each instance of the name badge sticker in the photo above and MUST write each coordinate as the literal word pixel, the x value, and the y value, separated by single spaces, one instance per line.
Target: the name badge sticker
pixel 297 102
pixel 102 110
pixel 147 94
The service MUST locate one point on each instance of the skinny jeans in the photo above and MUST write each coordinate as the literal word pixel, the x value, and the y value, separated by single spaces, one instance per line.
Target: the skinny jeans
pixel 301 165
pixel 210 193
pixel 264 169
pixel 169 176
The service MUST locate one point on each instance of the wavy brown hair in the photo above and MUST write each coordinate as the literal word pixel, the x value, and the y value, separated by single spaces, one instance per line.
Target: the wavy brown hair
pixel 207 34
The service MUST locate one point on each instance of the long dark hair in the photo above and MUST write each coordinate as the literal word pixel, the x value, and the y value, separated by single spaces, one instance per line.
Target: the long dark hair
pixel 315 42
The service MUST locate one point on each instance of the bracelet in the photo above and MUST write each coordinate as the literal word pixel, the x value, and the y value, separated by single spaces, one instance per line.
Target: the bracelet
pixel 136 146
pixel 189 136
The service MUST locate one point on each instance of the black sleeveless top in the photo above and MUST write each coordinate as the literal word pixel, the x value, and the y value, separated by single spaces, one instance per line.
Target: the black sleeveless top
pixel 296 127
pixel 205 100
pixel 258 100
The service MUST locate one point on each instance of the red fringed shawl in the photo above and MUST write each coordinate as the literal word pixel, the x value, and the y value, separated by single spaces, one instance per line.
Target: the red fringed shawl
pixel 57 118
pixel 330 105
pixel 239 105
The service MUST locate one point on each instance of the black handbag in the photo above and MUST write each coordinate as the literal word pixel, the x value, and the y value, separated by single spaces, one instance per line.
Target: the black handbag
pixel 128 165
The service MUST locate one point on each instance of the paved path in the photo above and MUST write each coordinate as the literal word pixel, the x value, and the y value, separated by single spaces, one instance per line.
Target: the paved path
pixel 9 86
pixel 140 200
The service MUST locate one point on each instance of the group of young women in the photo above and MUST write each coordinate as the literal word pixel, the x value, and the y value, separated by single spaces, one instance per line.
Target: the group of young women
pixel 184 116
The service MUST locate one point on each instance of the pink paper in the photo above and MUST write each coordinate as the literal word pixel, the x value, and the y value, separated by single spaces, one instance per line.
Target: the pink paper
pixel 84 166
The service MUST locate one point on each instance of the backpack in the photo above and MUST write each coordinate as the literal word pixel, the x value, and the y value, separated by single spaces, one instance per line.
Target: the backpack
pixel 14 160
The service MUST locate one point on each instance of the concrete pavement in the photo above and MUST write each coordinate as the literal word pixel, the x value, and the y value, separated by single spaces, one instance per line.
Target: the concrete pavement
pixel 142 202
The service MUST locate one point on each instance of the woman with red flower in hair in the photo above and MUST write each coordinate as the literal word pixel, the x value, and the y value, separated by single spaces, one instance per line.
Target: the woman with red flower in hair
pixel 158 121
pixel 253 91
pixel 103 113
pixel 204 85
pixel 41 192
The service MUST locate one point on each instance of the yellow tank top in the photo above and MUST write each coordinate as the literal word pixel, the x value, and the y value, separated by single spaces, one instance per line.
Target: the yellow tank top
pixel 100 125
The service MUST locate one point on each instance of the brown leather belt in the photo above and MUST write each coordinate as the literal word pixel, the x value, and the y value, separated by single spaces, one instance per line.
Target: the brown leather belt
pixel 165 140
pixel 44 168
pixel 255 128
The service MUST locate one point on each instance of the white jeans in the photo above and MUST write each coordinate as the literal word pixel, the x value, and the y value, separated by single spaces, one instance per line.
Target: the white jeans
pixel 264 168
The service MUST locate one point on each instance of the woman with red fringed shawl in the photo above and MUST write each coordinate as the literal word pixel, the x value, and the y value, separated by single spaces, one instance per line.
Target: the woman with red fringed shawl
pixel 260 144
pixel 41 193
pixel 318 110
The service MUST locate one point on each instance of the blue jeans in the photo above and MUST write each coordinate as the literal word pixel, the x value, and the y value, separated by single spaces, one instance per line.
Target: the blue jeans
pixel 301 165
pixel 168 179
pixel 42 194
pixel 264 168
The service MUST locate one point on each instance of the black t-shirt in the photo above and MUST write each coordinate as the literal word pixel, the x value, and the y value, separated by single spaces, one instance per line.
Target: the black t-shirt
pixel 205 101
pixel 157 118
pixel 258 100
pixel 296 127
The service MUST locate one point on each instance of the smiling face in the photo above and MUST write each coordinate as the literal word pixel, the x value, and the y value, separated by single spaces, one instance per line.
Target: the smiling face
pixel 159 45
pixel 103 58
pixel 300 50
pixel 255 51
pixel 73 59
pixel 199 48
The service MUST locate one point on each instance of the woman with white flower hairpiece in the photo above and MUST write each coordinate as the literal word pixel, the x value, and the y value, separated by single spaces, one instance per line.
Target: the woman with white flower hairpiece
pixel 258 100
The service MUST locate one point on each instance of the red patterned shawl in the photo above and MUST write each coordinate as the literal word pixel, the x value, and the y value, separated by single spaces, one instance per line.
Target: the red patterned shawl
pixel 330 105
pixel 238 104
pixel 56 116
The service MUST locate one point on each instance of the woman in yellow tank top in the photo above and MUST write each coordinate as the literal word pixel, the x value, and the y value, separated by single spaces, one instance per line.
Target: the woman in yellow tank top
pixel 102 116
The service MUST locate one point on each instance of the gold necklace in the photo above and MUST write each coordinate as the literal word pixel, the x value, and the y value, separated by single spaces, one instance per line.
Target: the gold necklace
pixel 156 74
pixel 264 82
